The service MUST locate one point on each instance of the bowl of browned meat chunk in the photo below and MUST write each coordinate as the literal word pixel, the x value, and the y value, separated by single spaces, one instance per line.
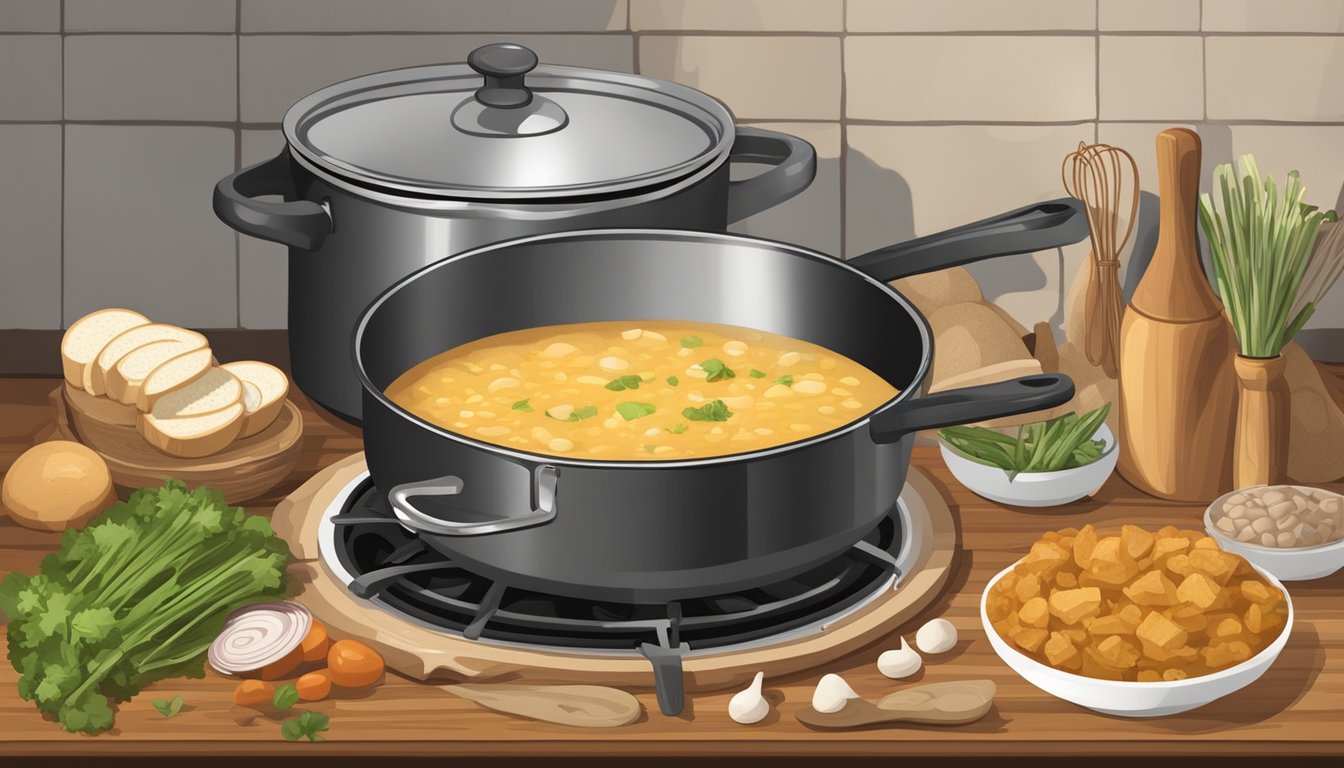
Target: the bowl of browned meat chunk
pixel 1136 623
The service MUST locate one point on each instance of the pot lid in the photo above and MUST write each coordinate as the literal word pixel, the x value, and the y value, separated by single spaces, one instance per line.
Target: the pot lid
pixel 501 127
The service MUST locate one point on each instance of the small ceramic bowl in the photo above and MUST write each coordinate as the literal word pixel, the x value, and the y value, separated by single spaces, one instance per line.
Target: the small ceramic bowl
pixel 1033 489
pixel 1126 699
pixel 1286 563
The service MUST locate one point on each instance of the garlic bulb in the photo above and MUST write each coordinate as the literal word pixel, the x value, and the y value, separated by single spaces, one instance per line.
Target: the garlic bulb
pixel 938 636
pixel 831 694
pixel 749 706
pixel 899 663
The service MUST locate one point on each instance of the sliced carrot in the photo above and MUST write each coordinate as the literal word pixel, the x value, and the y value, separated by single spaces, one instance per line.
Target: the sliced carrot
pixel 314 686
pixel 278 669
pixel 252 693
pixel 354 664
pixel 315 643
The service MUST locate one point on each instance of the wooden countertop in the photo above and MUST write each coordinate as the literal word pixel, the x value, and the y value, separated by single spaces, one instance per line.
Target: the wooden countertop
pixel 1294 709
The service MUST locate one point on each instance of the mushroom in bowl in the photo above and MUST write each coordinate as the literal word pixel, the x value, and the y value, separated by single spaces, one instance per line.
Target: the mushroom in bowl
pixel 1294 532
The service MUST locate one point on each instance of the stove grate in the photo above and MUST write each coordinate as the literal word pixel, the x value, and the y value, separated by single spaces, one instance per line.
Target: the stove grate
pixel 391 565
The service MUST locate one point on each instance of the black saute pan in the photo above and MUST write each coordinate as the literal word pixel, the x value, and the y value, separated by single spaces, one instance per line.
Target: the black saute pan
pixel 656 531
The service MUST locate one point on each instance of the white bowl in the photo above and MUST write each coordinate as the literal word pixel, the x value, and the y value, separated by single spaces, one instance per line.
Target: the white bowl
pixel 1288 564
pixel 1034 489
pixel 1127 699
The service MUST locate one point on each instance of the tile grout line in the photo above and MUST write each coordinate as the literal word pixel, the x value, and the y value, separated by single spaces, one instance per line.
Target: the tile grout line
pixel 1204 62
pixel 697 33
pixel 237 153
pixel 704 33
pixel 1096 74
pixel 60 323
pixel 260 126
pixel 844 134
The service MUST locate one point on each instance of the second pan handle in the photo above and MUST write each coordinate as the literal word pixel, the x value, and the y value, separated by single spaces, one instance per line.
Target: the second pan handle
pixel 971 404
pixel 1033 228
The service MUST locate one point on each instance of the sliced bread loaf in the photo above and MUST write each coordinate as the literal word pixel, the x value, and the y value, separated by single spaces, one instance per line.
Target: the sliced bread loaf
pixel 172 374
pixel 192 437
pixel 270 385
pixel 88 335
pixel 95 375
pixel 125 378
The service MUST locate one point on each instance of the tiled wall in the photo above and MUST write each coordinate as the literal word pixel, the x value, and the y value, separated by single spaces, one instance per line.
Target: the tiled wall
pixel 118 116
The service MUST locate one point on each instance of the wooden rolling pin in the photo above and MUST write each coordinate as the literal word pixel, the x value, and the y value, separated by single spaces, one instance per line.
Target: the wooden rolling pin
pixel 1178 392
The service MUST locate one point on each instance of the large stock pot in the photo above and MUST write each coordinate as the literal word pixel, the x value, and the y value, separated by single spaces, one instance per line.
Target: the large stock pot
pixel 388 172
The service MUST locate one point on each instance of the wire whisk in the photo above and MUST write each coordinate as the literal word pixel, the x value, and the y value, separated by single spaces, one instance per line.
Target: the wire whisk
pixel 1101 175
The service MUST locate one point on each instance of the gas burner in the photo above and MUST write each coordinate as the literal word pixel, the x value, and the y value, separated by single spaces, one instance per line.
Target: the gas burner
pixel 381 561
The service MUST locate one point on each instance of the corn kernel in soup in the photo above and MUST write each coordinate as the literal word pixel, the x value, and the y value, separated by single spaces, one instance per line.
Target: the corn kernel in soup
pixel 639 390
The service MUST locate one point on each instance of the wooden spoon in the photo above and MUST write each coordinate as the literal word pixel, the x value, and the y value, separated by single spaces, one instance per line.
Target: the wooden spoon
pixel 583 706
pixel 951 703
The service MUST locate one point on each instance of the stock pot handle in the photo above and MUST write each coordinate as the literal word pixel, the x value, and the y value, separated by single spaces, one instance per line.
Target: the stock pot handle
pixel 1036 227
pixel 300 224
pixel 961 406
pixel 795 165
pixel 544 485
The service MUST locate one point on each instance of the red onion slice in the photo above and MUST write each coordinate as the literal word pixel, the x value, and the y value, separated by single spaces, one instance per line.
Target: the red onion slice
pixel 259 634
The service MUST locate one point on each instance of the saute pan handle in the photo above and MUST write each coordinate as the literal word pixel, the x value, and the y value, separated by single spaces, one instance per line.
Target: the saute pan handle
pixel 1033 228
pixel 545 479
pixel 300 224
pixel 960 406
pixel 795 165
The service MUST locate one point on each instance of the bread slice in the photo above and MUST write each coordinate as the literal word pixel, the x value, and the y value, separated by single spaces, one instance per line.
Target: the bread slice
pixel 174 373
pixel 95 375
pixel 216 390
pixel 125 378
pixel 192 437
pixel 88 335
pixel 271 387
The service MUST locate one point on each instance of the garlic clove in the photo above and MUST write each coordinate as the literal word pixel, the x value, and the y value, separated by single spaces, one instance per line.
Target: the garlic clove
pixel 938 636
pixel 831 694
pixel 902 662
pixel 748 705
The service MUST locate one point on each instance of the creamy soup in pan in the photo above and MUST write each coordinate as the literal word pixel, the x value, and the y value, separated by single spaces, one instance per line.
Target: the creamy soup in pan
pixel 639 390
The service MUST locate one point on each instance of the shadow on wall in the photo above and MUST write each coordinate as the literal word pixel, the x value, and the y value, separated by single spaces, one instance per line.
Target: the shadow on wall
pixel 887 207
pixel 886 199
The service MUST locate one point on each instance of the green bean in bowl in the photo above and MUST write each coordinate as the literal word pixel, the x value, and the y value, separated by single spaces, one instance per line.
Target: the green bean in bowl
pixel 1041 464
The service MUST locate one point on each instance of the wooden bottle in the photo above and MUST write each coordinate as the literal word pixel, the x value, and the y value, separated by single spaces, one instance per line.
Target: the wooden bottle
pixel 1178 391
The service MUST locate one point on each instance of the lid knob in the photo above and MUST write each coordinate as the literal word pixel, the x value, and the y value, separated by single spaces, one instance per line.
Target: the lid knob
pixel 503 65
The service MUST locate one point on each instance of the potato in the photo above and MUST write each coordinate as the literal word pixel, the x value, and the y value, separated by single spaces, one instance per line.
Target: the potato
pixel 1084 544
pixel 1199 590
pixel 1035 613
pixel 1061 652
pixel 57 485
pixel 1152 588
pixel 1073 605
pixel 1137 606
pixel 1161 632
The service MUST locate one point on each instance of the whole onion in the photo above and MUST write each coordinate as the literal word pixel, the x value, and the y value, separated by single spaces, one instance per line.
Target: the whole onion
pixel 260 634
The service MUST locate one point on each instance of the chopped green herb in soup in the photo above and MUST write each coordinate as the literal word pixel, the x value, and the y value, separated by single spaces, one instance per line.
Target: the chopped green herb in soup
pixel 639 390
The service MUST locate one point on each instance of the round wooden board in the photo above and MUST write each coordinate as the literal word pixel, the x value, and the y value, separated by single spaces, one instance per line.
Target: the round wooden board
pixel 422 653
pixel 245 470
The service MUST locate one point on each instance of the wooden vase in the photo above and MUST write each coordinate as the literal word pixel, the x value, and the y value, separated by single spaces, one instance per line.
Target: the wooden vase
pixel 1177 389
pixel 1260 455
